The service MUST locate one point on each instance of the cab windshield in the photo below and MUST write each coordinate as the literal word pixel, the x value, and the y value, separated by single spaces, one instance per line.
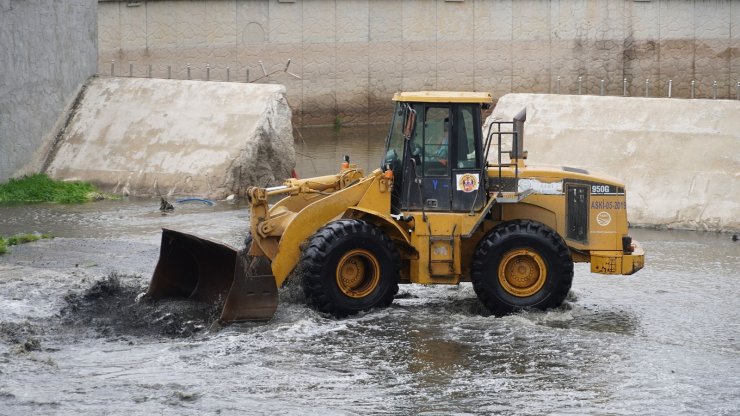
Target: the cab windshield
pixel 394 142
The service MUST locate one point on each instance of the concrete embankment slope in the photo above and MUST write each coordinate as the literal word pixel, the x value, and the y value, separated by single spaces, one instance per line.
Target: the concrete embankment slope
pixel 132 136
pixel 680 159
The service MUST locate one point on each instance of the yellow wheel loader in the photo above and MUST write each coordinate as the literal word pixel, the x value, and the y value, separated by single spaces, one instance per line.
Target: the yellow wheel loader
pixel 451 202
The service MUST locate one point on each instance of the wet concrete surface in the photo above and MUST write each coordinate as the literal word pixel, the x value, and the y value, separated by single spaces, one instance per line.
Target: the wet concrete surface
pixel 75 337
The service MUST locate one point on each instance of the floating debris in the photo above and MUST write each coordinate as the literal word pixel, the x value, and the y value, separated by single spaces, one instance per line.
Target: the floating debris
pixel 165 206
pixel 200 200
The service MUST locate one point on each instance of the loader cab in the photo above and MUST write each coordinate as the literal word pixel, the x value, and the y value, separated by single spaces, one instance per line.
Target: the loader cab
pixel 435 150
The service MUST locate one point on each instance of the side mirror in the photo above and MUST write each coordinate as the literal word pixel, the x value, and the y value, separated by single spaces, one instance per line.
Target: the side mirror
pixel 408 128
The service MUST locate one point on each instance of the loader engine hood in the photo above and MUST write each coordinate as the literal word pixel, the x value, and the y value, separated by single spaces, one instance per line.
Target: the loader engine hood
pixel 537 175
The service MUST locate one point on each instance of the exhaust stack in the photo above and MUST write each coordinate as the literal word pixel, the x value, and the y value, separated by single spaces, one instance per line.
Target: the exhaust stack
pixel 519 120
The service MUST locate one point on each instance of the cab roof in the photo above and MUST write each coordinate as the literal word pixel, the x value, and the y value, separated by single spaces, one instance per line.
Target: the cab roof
pixel 443 97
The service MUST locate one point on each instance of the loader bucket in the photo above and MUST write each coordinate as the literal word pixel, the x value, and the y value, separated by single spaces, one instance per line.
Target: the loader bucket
pixel 205 271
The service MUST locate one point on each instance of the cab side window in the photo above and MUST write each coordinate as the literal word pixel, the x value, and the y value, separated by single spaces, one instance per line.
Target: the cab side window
pixel 436 141
pixel 466 153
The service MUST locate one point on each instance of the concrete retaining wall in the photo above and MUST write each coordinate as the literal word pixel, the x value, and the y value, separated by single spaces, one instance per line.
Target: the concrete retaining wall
pixel 680 159
pixel 134 136
pixel 352 55
pixel 47 50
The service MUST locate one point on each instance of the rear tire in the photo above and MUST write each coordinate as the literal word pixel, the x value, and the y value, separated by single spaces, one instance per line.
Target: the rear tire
pixel 521 264
pixel 349 266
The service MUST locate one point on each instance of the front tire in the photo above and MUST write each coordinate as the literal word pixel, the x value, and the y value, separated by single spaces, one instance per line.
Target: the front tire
pixel 349 266
pixel 521 264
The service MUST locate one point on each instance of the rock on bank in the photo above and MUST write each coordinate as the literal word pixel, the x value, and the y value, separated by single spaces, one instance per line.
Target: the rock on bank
pixel 680 159
pixel 132 136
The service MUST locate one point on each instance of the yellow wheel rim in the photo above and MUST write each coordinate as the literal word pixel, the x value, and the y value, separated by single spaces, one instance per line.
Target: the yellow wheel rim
pixel 522 272
pixel 358 273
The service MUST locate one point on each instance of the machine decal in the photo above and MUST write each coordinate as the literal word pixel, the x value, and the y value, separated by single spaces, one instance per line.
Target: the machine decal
pixel 607 265
pixel 603 218
pixel 608 205
pixel 467 182
pixel 537 187
pixel 601 189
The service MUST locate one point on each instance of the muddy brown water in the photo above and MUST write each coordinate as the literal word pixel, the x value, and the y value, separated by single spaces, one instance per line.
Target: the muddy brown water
pixel 73 338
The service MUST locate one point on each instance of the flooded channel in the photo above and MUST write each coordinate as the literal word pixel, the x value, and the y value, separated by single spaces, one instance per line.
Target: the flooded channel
pixel 73 338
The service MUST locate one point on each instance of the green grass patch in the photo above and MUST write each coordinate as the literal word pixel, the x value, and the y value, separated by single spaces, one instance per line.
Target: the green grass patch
pixel 24 238
pixel 40 188
pixel 338 123
pixel 17 239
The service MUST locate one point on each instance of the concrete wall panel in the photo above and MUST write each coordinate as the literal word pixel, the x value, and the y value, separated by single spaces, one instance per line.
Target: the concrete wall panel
pixel 141 136
pixel 285 22
pixel 385 55
pixel 133 40
pixel 493 48
pixel 455 65
pixel 642 46
pixel 48 49
pixel 735 47
pixel 385 63
pixel 455 21
pixel 455 46
pixel 530 61
pixel 352 21
pixel 713 47
pixel 677 40
pixel 109 31
pixel 319 22
pixel 497 20
pixel 419 20
pixel 492 45
pixel 674 178
pixel 352 81
pixel 385 21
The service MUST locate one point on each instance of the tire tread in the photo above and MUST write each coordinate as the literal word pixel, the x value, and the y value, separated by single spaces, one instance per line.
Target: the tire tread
pixel 315 256
pixel 497 236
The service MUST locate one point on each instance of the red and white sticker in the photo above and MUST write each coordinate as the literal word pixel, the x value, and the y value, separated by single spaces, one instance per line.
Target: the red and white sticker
pixel 467 182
